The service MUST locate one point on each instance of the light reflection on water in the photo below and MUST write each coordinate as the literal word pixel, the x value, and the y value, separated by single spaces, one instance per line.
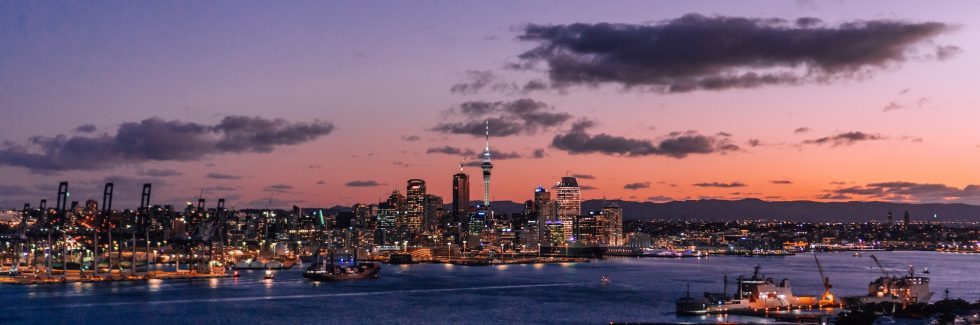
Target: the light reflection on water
pixel 642 290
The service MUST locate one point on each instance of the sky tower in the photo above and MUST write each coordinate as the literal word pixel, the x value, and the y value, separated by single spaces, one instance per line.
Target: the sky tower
pixel 486 166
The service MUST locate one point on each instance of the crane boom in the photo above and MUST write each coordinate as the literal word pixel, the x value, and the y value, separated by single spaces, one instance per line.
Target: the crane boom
pixel 880 267
pixel 827 298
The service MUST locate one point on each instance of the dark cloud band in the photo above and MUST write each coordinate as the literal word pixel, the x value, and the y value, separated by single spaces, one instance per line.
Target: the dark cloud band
pixel 696 52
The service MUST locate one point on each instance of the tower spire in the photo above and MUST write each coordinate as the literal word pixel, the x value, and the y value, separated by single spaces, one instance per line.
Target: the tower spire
pixel 486 166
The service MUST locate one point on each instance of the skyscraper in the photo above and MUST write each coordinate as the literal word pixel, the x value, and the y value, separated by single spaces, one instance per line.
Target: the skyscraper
pixel 613 224
pixel 461 195
pixel 569 204
pixel 414 203
pixel 486 166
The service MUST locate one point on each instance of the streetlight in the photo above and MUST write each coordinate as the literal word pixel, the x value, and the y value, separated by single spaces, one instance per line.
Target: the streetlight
pixel 539 250
pixel 450 252
pixel 464 247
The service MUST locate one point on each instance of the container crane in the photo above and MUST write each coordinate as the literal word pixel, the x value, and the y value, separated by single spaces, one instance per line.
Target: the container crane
pixel 827 298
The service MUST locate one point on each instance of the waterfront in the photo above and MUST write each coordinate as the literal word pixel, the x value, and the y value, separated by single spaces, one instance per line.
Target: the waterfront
pixel 642 290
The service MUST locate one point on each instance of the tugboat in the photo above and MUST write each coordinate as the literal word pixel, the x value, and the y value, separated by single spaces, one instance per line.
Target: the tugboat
pixel 269 275
pixel 347 268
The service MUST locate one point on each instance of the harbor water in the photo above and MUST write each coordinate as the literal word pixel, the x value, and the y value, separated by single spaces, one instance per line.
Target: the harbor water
pixel 641 290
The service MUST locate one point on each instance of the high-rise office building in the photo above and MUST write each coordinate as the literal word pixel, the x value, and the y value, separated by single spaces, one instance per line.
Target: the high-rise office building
pixel 486 166
pixel 414 204
pixel 461 195
pixel 434 211
pixel 568 204
pixel 612 224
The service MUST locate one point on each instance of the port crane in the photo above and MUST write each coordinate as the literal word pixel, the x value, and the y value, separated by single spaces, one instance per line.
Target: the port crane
pixel 880 267
pixel 827 298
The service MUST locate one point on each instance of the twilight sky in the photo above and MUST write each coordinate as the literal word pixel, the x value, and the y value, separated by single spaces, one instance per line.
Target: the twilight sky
pixel 317 103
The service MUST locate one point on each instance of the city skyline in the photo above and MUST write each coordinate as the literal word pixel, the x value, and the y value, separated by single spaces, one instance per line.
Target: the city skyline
pixel 307 105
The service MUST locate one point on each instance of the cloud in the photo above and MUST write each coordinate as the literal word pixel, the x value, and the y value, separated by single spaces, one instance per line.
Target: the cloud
pixel 280 188
pixel 892 106
pixel 155 139
pixel 222 176
pixel 521 116
pixel 411 137
pixel 755 142
pixel 910 191
pixel 722 185
pixel 829 196
pixel 367 183
pixel 660 198
pixel 845 139
pixel 539 153
pixel 449 150
pixel 637 185
pixel 12 190
pixel 86 128
pixel 696 52
pixel 159 172
pixel 583 176
pixel 801 130
pixel 782 182
pixel 676 145
pixel 321 183
pixel 588 188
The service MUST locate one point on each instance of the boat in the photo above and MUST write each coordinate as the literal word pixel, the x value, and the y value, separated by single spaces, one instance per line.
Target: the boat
pixel 756 292
pixel 907 289
pixel 669 252
pixel 346 268
pixel 235 274
pixel 401 259
pixel 604 280
pixel 857 254
pixel 688 305
pixel 925 270
pixel 269 275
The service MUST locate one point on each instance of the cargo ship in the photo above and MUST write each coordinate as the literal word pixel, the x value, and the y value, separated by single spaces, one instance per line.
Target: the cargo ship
pixel 906 290
pixel 755 292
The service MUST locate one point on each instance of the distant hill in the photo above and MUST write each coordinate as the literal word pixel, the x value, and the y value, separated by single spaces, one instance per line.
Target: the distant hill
pixel 781 210
pixel 759 209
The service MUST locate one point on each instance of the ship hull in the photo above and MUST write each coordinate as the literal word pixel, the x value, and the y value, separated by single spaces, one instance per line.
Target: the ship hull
pixel 366 271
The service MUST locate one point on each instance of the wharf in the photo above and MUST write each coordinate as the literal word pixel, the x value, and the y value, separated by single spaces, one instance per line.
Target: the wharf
pixel 75 277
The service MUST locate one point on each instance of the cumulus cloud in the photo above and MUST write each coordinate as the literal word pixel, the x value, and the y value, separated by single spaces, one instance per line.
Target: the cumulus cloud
pixel 782 182
pixel 676 144
pixel 721 184
pixel 845 139
pixel 366 183
pixel 637 185
pixel 156 139
pixel 411 137
pixel 222 176
pixel 521 116
pixel 696 52
pixel 801 130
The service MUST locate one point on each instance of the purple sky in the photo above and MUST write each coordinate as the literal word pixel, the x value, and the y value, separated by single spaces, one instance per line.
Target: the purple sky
pixel 380 73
